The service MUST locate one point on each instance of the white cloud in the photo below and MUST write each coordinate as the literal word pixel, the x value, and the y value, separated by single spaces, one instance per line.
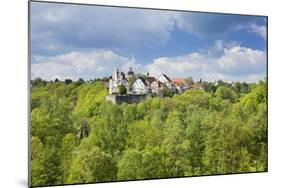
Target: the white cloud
pixel 230 62
pixel 66 26
pixel 60 28
pixel 226 62
pixel 260 30
pixel 86 65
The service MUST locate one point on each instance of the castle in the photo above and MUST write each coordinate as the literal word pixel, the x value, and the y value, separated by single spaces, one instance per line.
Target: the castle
pixel 143 85
pixel 118 79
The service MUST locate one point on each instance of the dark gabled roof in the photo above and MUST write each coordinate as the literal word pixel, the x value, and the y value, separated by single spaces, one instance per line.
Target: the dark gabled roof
pixel 167 77
pixel 143 80
pixel 150 79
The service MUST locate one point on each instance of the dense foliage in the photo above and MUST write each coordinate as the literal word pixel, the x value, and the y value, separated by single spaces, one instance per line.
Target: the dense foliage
pixel 78 137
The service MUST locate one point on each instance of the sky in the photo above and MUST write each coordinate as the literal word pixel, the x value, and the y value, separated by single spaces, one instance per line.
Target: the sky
pixel 79 41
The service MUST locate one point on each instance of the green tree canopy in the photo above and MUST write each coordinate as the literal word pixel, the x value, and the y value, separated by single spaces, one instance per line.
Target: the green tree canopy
pixel 122 90
pixel 226 93
pixel 130 165
pixel 92 166
pixel 221 129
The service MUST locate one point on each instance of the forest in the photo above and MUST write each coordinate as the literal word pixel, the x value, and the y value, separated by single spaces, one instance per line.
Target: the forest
pixel 79 137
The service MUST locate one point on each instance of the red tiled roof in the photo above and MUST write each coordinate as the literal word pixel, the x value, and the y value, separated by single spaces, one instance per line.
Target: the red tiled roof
pixel 178 81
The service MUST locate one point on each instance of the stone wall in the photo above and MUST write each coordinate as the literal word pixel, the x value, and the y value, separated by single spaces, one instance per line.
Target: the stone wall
pixel 118 99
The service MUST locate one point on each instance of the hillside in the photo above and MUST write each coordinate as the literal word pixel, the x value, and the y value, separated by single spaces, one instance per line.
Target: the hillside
pixel 77 136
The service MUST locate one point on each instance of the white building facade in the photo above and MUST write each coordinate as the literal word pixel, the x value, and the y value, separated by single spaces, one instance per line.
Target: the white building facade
pixel 118 78
pixel 140 87
pixel 166 80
